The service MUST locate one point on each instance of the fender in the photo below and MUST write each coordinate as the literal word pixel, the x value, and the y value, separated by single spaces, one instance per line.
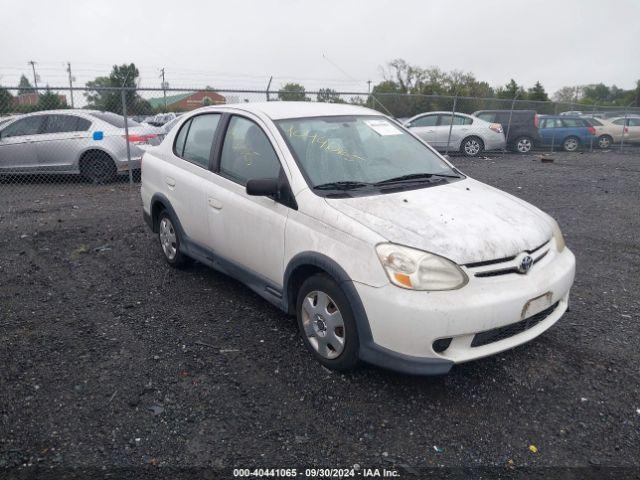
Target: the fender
pixel 340 276
pixel 369 351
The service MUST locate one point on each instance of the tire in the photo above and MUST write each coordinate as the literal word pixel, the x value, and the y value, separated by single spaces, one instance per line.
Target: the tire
pixel 605 141
pixel 523 144
pixel 169 239
pixel 471 146
pixel 570 144
pixel 98 167
pixel 327 324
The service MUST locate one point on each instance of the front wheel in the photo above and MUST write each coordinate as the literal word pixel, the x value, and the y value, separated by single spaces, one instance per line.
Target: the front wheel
pixel 472 146
pixel 523 144
pixel 570 144
pixel 327 323
pixel 605 141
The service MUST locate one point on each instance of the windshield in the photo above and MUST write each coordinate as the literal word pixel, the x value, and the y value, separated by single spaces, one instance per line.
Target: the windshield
pixel 357 151
pixel 114 119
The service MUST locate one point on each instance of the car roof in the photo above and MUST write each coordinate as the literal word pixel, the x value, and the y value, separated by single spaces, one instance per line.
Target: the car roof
pixel 280 110
pixel 504 110
pixel 62 111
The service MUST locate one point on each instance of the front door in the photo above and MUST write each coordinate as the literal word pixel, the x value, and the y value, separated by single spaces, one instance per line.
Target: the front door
pixel 425 128
pixel 17 152
pixel 250 229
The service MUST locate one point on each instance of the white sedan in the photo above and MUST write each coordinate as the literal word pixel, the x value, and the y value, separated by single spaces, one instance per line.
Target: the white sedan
pixel 383 251
pixel 457 132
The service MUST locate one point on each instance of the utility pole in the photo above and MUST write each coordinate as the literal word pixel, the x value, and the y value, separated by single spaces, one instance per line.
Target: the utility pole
pixel 164 88
pixel 268 87
pixel 369 84
pixel 35 77
pixel 70 82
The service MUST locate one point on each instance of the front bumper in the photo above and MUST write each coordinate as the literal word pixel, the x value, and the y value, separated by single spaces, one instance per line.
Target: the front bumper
pixel 405 323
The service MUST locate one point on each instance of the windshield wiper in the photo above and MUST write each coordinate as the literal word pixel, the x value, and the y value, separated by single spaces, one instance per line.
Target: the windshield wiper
pixel 413 176
pixel 342 185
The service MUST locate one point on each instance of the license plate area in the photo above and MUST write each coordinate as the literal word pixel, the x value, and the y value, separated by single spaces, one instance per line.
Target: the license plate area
pixel 536 305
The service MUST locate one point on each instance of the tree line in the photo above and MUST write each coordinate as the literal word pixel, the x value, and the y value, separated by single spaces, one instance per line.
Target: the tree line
pixel 404 91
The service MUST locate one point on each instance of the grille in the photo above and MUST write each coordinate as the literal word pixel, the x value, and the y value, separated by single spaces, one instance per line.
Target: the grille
pixel 500 333
pixel 484 263
pixel 504 271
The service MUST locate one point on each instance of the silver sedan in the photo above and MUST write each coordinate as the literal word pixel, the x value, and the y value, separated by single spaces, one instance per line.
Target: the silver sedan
pixel 88 142
pixel 469 135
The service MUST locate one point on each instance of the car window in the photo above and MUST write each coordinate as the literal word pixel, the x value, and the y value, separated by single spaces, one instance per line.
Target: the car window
pixel 619 121
pixel 487 117
pixel 114 119
pixel 199 138
pixel 593 122
pixel 24 126
pixel 572 122
pixel 445 120
pixel 633 122
pixel 247 152
pixel 551 123
pixel 426 121
pixel 66 123
pixel 178 146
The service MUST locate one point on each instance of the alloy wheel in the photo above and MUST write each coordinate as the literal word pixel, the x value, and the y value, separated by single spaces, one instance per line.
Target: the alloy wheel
pixel 523 145
pixel 472 147
pixel 323 324
pixel 604 142
pixel 570 144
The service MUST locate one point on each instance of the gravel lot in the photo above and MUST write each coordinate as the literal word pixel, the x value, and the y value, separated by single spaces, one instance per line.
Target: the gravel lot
pixel 110 358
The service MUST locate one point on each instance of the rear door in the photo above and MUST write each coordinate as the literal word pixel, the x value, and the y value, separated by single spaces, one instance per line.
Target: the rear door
pixel 459 129
pixel 62 140
pixel 425 127
pixel 17 151
pixel 187 178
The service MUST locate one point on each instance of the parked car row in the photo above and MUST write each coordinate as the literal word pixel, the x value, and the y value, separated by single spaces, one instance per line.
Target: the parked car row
pixel 520 131
pixel 88 142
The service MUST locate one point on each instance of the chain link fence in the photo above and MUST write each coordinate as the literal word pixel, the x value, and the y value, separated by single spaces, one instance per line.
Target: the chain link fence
pixel 62 148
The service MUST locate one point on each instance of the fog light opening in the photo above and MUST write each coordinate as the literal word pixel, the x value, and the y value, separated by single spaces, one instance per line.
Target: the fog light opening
pixel 441 344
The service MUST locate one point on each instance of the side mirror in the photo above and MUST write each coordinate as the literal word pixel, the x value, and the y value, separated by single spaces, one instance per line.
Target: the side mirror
pixel 407 125
pixel 263 187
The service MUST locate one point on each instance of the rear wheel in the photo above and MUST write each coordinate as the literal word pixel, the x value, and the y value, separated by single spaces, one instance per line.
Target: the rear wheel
pixel 605 141
pixel 523 144
pixel 326 323
pixel 472 146
pixel 570 144
pixel 170 241
pixel 97 167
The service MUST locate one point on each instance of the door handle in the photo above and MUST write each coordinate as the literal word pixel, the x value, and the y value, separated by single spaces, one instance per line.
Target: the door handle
pixel 215 203
pixel 170 181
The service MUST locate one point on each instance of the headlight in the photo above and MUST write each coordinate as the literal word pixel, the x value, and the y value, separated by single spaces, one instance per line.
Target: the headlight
pixel 417 270
pixel 557 236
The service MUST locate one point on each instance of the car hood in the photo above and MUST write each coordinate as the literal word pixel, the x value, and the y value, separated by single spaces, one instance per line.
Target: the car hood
pixel 465 221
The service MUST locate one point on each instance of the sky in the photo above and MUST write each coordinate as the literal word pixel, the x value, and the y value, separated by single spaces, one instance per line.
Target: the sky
pixel 329 43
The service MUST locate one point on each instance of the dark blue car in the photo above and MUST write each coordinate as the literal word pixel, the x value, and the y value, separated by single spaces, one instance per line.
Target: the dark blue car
pixel 566 132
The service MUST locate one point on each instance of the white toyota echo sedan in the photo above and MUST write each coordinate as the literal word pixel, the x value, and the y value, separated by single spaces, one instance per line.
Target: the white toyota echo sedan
pixel 384 251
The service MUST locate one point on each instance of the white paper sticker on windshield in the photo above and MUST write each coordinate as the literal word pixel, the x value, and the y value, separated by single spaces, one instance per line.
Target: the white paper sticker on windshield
pixel 383 127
